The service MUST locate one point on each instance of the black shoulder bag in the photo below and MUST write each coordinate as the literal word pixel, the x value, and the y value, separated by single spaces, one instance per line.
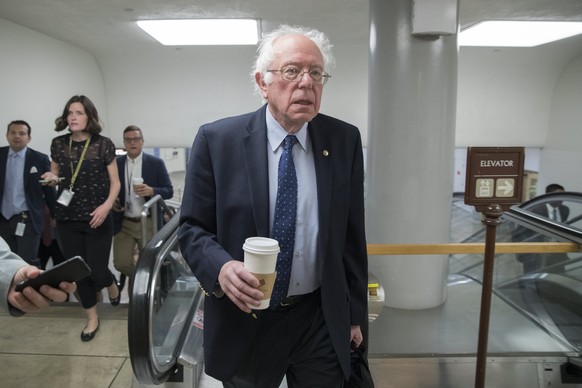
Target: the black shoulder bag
pixel 360 376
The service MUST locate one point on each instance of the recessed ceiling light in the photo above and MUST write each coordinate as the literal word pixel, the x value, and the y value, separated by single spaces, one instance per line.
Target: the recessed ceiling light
pixel 517 33
pixel 186 32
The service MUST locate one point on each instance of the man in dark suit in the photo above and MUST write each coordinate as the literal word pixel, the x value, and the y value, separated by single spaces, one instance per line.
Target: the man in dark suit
pixel 22 196
pixel 556 211
pixel 127 227
pixel 230 195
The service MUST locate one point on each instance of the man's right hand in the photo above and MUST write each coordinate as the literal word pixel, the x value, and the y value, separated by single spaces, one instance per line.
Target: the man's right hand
pixel 240 285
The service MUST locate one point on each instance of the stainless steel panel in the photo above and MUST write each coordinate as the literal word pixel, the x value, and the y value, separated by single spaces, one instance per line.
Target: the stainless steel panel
pixel 459 372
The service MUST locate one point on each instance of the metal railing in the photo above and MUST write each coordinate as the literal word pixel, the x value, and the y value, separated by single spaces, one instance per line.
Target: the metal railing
pixel 169 209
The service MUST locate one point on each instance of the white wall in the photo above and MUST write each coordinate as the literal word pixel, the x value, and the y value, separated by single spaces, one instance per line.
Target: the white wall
pixel 38 75
pixel 170 96
pixel 562 157
pixel 530 97
pixel 507 97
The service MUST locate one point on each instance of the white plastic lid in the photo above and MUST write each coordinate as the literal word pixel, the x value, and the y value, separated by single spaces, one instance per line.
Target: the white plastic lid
pixel 261 245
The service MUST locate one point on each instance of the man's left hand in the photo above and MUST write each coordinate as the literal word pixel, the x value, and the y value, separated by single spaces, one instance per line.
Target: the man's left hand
pixel 356 335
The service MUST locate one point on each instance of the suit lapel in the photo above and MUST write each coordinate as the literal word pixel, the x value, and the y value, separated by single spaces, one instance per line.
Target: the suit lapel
pixel 27 166
pixel 322 158
pixel 3 162
pixel 255 159
pixel 145 167
pixel 122 169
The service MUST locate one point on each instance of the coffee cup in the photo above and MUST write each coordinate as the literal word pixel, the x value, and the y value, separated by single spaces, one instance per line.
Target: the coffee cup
pixel 260 259
pixel 136 182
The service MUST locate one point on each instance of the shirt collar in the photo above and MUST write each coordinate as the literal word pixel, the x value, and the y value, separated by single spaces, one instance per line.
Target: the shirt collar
pixel 22 152
pixel 137 159
pixel 276 134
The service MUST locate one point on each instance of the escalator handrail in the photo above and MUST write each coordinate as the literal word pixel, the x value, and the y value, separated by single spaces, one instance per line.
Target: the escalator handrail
pixel 550 197
pixel 139 327
pixel 544 225
pixel 522 215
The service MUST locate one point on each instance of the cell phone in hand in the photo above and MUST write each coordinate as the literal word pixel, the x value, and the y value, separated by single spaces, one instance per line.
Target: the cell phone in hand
pixel 49 180
pixel 70 271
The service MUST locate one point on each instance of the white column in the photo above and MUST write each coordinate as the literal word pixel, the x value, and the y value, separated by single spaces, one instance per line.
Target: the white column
pixel 412 107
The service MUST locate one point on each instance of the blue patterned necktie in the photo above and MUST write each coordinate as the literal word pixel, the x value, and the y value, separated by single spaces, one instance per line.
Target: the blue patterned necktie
pixel 284 220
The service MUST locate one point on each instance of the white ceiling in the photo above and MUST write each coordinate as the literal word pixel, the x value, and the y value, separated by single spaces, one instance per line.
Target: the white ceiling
pixel 107 26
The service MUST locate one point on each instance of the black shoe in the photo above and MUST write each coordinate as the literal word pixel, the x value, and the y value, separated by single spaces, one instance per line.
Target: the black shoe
pixel 115 301
pixel 86 337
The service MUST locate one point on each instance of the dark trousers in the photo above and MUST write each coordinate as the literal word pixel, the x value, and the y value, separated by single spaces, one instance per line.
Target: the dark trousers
pixel 52 251
pixel 544 262
pixel 292 342
pixel 25 246
pixel 94 246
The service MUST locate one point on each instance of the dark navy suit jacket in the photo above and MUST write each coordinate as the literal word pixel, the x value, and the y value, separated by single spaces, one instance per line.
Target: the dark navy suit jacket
pixel 543 210
pixel 154 174
pixel 35 164
pixel 226 200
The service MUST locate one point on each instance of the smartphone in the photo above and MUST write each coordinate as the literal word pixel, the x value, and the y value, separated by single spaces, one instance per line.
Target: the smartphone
pixel 68 271
pixel 48 180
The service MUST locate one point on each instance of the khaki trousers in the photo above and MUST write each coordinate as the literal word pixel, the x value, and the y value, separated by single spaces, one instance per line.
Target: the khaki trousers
pixel 125 243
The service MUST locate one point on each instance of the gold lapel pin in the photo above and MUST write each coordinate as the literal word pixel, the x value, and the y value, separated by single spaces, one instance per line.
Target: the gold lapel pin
pixel 325 153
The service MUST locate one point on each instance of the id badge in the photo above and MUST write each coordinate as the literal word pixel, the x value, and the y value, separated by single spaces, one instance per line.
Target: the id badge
pixel 128 206
pixel 20 229
pixel 66 197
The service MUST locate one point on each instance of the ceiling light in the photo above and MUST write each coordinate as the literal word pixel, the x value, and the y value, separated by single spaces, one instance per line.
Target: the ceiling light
pixel 517 33
pixel 202 31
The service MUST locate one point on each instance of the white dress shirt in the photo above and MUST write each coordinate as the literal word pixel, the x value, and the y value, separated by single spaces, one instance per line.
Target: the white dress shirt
pixel 133 202
pixel 305 275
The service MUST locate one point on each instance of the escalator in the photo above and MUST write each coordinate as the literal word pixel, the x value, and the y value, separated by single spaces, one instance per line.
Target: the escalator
pixel 545 287
pixel 165 318
pixel 535 327
pixel 536 317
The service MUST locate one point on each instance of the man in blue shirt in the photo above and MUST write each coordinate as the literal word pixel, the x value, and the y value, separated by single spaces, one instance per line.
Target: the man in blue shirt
pixel 22 196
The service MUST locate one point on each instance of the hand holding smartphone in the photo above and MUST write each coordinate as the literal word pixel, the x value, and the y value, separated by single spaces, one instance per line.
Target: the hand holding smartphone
pixel 51 180
pixel 70 271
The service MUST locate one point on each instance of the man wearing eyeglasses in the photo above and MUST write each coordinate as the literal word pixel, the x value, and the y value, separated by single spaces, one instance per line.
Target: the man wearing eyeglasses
pixel 287 162
pixel 127 227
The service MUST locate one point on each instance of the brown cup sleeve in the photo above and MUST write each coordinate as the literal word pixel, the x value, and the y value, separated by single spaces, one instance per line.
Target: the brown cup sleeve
pixel 267 281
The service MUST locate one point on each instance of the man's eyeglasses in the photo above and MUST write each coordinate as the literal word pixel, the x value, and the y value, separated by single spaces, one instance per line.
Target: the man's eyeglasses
pixel 294 74
pixel 130 140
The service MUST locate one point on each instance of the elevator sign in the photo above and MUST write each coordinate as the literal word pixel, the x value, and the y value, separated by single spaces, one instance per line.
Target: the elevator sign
pixel 494 176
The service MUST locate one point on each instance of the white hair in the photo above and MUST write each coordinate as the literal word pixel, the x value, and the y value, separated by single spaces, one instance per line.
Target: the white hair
pixel 266 53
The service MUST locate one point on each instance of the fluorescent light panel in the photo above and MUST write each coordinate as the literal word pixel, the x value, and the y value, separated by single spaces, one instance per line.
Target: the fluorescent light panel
pixel 187 32
pixel 517 33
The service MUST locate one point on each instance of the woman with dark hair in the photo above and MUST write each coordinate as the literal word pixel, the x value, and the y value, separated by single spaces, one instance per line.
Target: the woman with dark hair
pixel 84 167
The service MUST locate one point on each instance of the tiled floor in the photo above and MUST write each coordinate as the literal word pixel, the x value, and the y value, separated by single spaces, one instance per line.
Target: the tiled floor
pixel 43 350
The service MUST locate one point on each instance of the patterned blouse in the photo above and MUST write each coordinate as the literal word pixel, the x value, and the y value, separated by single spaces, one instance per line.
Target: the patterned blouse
pixel 91 187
